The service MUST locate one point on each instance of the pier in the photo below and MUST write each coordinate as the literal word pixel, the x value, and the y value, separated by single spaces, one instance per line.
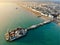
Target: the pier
pixel 20 32
pixel 38 25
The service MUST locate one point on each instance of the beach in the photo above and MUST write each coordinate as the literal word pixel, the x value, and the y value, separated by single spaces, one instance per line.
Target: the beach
pixel 37 13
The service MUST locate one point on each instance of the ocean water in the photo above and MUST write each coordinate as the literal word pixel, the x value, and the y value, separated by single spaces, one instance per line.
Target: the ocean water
pixel 11 18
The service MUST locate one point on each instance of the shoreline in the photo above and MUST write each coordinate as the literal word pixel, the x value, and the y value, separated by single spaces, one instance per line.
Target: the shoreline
pixel 37 13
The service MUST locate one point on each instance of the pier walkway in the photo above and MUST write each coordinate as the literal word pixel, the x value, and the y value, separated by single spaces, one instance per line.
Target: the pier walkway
pixel 38 25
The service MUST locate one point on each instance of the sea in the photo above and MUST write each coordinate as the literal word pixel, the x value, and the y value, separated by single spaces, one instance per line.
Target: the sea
pixel 13 16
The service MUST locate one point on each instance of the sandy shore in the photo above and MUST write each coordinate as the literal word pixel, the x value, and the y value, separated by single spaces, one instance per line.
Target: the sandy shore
pixel 35 12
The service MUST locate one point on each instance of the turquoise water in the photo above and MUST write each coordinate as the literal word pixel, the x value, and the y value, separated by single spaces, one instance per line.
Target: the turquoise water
pixel 11 18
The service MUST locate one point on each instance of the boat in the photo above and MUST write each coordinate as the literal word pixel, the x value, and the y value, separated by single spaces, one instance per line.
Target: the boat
pixel 15 34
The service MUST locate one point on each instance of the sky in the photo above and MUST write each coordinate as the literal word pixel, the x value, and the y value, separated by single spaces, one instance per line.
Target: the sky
pixel 29 0
pixel 41 0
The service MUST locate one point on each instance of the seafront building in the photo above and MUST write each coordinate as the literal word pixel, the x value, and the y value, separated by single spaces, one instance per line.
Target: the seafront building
pixel 44 9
